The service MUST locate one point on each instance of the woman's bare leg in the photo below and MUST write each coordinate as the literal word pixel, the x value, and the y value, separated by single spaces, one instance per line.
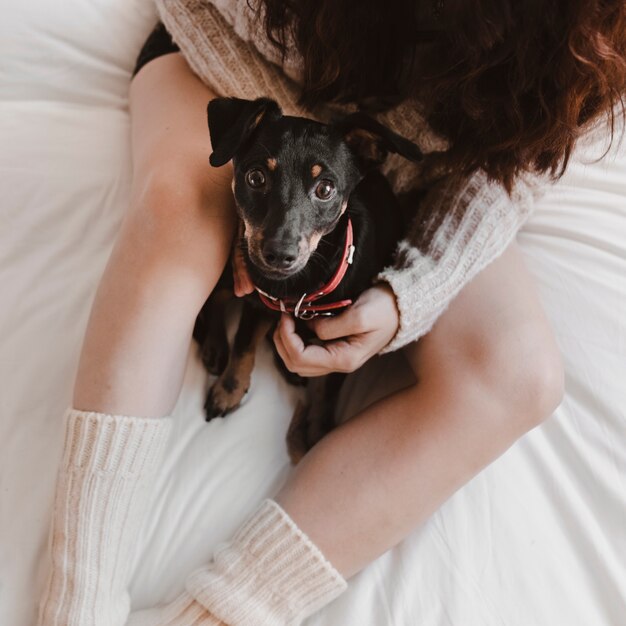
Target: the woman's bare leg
pixel 488 371
pixel 171 250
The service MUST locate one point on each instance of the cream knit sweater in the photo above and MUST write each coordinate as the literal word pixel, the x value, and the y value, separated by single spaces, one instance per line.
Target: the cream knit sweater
pixel 461 225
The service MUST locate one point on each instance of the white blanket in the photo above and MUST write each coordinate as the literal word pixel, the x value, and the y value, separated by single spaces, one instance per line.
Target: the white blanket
pixel 538 539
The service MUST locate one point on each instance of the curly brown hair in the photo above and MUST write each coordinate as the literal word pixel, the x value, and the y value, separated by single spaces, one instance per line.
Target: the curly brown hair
pixel 511 84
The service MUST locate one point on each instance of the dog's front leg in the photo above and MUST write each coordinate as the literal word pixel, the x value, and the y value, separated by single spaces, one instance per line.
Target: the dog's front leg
pixel 232 384
pixel 317 418
pixel 210 332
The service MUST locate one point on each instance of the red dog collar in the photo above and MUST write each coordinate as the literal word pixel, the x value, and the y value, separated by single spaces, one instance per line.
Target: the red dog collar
pixel 303 307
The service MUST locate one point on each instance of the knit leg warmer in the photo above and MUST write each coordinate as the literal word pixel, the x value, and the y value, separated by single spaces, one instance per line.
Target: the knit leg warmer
pixel 102 489
pixel 270 574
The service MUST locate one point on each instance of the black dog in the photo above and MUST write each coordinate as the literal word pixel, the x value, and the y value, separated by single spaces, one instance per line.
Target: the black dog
pixel 319 223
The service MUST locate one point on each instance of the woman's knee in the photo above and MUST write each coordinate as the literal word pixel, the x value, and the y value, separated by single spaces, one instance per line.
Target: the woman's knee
pixel 179 192
pixel 177 233
pixel 176 193
pixel 495 337
pixel 522 369
pixel 548 381
pixel 517 372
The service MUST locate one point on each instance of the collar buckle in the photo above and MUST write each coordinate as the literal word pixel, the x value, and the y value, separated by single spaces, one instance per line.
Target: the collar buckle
pixel 296 310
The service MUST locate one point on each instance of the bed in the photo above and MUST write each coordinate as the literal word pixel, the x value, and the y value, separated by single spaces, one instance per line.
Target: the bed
pixel 537 539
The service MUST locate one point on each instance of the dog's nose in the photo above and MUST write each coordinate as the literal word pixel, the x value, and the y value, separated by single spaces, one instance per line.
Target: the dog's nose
pixel 278 254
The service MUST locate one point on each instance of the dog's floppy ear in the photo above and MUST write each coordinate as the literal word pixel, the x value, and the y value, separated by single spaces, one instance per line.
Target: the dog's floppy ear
pixel 232 121
pixel 371 141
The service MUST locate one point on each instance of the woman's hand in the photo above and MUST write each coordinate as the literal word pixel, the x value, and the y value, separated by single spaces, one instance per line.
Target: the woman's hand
pixel 350 339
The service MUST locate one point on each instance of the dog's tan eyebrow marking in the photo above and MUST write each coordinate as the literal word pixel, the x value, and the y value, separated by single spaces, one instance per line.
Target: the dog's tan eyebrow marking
pixel 271 164
pixel 316 170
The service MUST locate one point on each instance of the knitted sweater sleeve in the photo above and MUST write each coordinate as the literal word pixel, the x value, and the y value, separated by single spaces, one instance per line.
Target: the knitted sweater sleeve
pixel 460 227
pixel 216 50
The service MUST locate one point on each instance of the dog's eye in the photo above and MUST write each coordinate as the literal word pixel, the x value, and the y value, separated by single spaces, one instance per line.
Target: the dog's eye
pixel 325 190
pixel 255 178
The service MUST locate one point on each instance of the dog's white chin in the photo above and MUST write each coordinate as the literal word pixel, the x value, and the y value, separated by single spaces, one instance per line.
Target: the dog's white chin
pixel 274 273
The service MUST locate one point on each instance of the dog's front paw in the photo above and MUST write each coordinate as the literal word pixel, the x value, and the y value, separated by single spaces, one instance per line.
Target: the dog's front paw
pixel 224 396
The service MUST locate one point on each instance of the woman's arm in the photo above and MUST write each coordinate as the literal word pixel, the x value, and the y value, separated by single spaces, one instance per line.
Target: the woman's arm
pixel 460 227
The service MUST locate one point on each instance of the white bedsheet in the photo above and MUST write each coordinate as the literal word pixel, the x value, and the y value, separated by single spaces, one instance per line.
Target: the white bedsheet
pixel 538 539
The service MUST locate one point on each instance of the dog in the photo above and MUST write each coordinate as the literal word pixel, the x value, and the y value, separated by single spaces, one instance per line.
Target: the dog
pixel 319 222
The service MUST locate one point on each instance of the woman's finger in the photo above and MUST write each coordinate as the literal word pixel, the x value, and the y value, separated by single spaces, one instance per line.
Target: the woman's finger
pixel 314 360
pixel 302 357
pixel 352 321
pixel 371 322
pixel 302 371
pixel 280 348
pixel 287 329
pixel 285 356
pixel 329 328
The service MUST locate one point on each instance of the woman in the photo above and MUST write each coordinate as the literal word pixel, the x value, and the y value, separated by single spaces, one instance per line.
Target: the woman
pixel 506 88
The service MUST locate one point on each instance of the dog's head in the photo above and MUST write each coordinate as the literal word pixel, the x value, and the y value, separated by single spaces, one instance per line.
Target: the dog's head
pixel 293 176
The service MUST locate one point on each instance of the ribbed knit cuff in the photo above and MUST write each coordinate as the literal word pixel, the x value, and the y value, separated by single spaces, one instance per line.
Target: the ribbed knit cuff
pixel 103 486
pixel 415 318
pixel 185 610
pixel 98 442
pixel 271 574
